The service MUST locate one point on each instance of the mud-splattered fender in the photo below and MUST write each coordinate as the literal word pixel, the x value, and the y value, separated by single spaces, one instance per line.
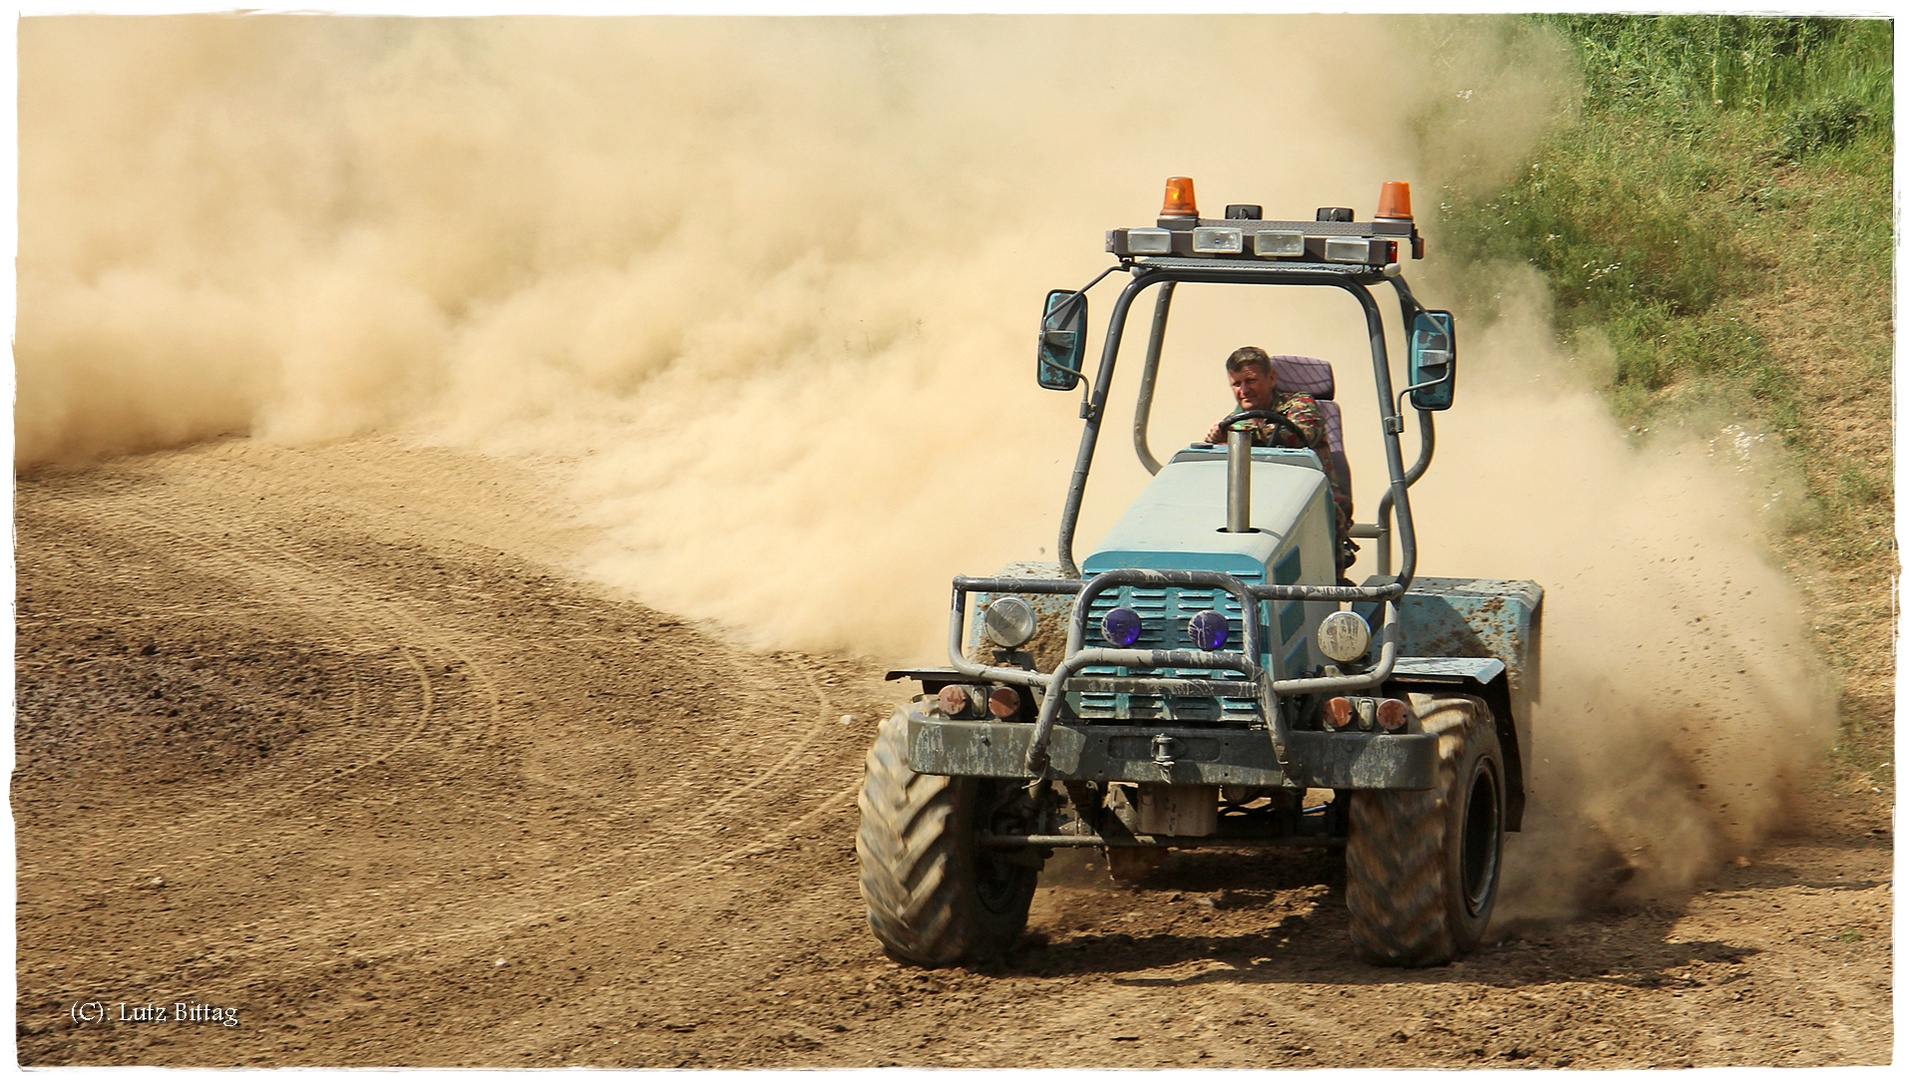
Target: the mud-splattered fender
pixel 1473 619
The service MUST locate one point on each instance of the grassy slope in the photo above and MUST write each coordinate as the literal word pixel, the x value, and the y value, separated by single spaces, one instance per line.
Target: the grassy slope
pixel 1716 224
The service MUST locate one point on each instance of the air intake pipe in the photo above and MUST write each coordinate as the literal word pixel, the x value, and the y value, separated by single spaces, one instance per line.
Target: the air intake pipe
pixel 1239 479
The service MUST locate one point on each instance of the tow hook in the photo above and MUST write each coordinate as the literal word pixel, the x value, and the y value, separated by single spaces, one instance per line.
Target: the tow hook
pixel 1163 751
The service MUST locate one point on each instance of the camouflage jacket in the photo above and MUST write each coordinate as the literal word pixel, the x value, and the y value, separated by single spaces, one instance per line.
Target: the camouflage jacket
pixel 1303 411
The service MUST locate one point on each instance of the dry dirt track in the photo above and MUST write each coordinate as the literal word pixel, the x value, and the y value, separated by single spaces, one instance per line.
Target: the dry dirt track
pixel 314 735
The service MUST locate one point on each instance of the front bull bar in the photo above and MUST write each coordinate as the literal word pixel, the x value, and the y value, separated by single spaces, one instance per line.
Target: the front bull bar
pixel 1053 686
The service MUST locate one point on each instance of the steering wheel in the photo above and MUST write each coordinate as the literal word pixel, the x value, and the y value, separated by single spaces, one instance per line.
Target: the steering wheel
pixel 1279 419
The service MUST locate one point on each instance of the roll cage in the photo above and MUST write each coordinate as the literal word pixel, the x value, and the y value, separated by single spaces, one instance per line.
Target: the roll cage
pixel 1168 272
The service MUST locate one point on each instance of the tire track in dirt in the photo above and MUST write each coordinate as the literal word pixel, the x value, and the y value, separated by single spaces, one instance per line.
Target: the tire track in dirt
pixel 323 604
pixel 285 575
pixel 548 898
pixel 834 802
pixel 265 559
pixel 258 804
pixel 364 627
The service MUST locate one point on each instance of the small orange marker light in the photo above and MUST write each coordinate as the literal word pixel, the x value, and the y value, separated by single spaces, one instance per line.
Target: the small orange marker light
pixel 1395 200
pixel 1391 714
pixel 1338 713
pixel 1003 702
pixel 954 700
pixel 1179 201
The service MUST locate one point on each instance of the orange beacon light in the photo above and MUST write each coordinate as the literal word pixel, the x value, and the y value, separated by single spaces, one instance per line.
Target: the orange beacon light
pixel 1179 200
pixel 1395 200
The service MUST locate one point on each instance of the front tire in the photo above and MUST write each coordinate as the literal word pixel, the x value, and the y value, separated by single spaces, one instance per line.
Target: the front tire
pixel 1422 866
pixel 934 896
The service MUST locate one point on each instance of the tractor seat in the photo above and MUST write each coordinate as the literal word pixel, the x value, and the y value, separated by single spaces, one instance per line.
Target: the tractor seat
pixel 1309 375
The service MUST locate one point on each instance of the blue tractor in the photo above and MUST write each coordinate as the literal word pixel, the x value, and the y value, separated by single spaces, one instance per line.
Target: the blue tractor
pixel 1206 678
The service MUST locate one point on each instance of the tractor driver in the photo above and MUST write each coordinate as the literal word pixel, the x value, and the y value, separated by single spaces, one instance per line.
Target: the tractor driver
pixel 1255 385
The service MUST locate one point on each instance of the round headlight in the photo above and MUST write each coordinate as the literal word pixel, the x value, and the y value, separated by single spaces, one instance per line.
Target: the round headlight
pixel 1208 630
pixel 1344 636
pixel 1009 622
pixel 1121 627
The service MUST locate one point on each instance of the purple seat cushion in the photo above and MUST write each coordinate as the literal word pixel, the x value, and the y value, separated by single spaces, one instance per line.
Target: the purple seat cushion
pixel 1304 375
pixel 1309 375
pixel 1334 440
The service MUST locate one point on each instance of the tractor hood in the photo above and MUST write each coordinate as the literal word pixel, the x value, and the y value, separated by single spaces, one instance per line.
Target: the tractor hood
pixel 1177 523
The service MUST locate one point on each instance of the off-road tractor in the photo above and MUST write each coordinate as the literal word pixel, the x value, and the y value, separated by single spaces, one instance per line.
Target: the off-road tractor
pixel 1206 677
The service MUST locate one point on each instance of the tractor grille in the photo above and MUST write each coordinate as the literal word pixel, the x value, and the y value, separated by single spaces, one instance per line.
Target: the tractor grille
pixel 1164 614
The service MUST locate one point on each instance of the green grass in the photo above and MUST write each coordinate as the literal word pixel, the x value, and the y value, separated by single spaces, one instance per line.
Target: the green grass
pixel 1714 221
pixel 1667 204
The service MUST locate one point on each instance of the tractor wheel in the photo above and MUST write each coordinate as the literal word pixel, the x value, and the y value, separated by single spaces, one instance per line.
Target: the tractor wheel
pixel 1422 866
pixel 934 897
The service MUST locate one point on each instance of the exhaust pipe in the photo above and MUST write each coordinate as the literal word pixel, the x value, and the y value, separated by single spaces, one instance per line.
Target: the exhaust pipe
pixel 1239 480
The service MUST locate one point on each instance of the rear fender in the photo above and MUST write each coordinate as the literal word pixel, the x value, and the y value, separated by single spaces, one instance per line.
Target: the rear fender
pixel 1458 619
pixel 1485 679
pixel 1476 617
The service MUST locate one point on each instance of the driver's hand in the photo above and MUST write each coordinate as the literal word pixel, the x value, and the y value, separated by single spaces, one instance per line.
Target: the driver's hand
pixel 1215 435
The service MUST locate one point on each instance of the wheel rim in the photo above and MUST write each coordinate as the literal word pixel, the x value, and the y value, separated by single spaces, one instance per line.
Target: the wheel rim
pixel 997 882
pixel 1478 862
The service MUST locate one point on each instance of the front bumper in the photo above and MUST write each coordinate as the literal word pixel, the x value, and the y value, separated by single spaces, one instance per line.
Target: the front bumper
pixel 1071 674
pixel 1246 757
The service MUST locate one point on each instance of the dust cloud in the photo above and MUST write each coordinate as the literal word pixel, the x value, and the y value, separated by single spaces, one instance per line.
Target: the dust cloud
pixel 759 296
pixel 1680 707
pixel 760 292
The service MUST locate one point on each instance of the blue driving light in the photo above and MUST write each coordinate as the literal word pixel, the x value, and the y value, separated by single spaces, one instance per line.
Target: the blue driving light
pixel 1208 630
pixel 1121 627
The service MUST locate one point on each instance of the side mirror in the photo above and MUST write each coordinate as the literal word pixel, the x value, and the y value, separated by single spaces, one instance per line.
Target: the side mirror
pixel 1063 340
pixel 1434 361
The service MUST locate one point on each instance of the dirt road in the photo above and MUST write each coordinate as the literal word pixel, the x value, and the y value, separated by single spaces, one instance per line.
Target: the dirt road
pixel 327 738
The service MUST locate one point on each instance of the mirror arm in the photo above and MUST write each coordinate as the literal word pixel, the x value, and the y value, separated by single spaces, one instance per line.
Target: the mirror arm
pixel 1075 372
pixel 1426 442
pixel 1409 307
pixel 1414 388
pixel 1080 295
pixel 1082 291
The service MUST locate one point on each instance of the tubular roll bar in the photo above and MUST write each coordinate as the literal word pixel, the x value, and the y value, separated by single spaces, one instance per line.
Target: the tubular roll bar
pixel 1053 686
pixel 1143 404
pixel 1166 273
pixel 1394 504
pixel 1379 530
pixel 1409 307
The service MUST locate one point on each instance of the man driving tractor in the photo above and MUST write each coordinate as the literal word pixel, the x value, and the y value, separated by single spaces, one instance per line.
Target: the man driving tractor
pixel 1255 386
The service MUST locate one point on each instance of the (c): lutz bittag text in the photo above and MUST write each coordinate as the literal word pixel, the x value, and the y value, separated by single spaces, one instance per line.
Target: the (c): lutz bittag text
pixel 153 1012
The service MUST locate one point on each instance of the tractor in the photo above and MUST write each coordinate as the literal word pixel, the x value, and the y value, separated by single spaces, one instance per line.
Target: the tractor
pixel 1207 677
